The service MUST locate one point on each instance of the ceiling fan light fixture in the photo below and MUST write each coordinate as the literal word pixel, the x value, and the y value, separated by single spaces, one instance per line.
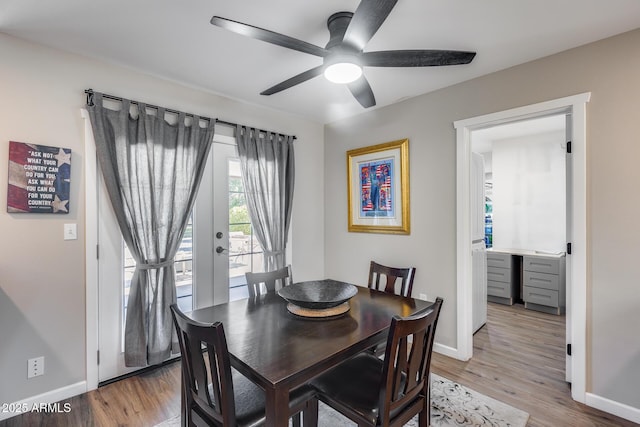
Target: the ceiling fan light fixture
pixel 343 72
pixel 344 57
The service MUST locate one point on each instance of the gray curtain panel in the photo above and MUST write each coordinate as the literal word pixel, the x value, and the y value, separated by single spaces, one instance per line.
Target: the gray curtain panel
pixel 152 170
pixel 267 165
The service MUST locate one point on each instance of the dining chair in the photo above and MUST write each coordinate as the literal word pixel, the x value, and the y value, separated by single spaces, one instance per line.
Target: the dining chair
pixel 216 394
pixel 397 280
pixel 389 392
pixel 269 279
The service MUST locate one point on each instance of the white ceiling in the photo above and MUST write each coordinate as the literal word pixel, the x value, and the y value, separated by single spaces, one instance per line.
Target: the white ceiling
pixel 174 40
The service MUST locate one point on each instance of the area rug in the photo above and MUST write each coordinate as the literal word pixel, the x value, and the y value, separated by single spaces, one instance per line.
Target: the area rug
pixel 451 405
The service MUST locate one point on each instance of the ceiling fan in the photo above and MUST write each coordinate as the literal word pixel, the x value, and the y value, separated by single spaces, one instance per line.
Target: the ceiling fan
pixel 343 56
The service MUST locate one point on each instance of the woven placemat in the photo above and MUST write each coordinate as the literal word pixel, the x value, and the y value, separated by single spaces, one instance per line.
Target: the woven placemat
pixel 318 313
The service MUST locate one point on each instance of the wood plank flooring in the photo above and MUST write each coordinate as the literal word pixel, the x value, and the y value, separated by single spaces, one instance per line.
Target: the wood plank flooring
pixel 140 401
pixel 518 359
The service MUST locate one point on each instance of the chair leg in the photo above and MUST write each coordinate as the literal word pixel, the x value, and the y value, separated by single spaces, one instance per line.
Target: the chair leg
pixel 423 419
pixel 428 399
pixel 310 413
pixel 185 418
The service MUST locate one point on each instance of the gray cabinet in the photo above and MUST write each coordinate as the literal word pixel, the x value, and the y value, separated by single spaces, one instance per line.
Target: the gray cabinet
pixel 501 280
pixel 544 283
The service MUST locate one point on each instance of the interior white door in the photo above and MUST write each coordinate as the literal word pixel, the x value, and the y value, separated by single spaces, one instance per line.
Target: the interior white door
pixel 479 284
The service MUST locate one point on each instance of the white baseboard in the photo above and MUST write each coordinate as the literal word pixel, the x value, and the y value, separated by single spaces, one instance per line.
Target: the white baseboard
pixel 446 350
pixel 616 408
pixel 26 405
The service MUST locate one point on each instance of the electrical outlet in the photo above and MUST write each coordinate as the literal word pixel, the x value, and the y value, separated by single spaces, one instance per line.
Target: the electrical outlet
pixel 423 297
pixel 35 367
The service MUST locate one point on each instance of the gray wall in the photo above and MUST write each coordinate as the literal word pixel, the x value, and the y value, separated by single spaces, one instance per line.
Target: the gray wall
pixel 42 277
pixel 610 69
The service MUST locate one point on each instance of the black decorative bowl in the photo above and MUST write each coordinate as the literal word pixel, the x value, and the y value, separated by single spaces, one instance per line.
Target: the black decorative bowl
pixel 318 294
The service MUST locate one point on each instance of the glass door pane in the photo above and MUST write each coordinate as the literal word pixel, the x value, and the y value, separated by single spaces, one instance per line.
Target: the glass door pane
pixel 183 263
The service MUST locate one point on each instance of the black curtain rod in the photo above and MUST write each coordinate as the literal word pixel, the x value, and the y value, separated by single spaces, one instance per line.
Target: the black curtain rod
pixel 90 92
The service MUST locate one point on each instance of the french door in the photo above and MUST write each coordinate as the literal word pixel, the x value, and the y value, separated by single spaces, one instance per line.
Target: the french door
pixel 210 264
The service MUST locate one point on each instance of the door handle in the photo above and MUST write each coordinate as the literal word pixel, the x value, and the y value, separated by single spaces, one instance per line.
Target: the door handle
pixel 220 249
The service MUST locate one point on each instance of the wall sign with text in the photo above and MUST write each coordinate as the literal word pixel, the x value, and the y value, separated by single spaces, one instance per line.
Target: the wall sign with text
pixel 39 178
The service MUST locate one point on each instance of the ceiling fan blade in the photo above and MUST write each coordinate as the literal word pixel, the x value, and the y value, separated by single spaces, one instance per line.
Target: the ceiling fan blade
pixel 361 90
pixel 268 36
pixel 300 78
pixel 366 20
pixel 415 58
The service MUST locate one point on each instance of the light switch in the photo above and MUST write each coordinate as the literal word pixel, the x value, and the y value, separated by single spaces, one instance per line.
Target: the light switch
pixel 70 232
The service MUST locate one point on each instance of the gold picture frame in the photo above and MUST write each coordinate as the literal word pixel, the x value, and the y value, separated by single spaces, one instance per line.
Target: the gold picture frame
pixel 378 188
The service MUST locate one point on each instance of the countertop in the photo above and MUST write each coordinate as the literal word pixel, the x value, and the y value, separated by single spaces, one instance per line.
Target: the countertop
pixel 527 252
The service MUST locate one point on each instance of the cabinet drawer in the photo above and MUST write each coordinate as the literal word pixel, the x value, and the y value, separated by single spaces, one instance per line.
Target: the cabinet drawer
pixel 541 280
pixel 541 265
pixel 495 259
pixel 541 296
pixel 499 274
pixel 499 289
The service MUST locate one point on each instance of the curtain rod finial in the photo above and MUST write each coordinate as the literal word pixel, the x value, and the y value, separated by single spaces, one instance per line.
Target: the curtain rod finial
pixel 89 93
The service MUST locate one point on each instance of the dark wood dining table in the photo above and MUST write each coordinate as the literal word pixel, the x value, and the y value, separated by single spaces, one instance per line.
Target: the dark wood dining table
pixel 280 351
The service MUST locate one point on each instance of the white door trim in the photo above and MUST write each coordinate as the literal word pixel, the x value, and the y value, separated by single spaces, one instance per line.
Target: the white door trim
pixel 576 106
pixel 90 248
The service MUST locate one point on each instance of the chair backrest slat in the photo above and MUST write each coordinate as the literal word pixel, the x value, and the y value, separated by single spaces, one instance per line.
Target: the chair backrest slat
pixel 400 278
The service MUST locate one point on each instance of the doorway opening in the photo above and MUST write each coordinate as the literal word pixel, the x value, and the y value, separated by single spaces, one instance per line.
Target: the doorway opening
pixel 520 193
pixel 575 108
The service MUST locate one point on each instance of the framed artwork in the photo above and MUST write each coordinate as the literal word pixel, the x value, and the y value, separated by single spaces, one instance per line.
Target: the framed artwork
pixel 39 178
pixel 378 188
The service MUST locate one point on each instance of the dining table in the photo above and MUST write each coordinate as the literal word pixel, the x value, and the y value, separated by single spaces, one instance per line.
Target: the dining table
pixel 280 351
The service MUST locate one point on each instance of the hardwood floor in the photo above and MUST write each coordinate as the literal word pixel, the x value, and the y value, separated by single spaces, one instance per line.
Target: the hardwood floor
pixel 518 359
pixel 140 401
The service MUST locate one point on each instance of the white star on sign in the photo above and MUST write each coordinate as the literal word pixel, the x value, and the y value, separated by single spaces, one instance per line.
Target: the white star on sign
pixel 59 205
pixel 63 158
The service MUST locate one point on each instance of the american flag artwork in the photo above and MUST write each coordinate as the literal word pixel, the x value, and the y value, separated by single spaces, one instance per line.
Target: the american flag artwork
pixel 376 188
pixel 39 178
